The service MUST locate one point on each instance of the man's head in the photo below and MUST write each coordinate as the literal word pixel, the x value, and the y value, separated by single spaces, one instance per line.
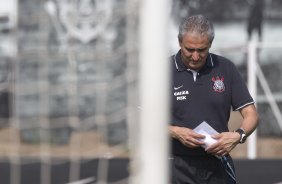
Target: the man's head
pixel 195 37
pixel 196 24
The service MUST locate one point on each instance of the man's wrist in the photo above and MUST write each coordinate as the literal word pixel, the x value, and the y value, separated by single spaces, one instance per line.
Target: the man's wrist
pixel 243 135
pixel 238 136
pixel 172 131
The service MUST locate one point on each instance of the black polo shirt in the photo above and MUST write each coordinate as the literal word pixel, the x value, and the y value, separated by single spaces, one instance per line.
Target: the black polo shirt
pixel 207 95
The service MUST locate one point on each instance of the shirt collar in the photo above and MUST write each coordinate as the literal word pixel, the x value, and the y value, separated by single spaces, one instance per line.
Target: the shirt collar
pixel 181 67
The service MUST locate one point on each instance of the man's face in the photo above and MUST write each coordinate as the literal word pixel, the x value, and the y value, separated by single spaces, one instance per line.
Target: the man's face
pixel 194 50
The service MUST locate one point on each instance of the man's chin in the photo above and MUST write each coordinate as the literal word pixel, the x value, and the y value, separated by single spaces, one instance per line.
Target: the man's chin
pixel 195 67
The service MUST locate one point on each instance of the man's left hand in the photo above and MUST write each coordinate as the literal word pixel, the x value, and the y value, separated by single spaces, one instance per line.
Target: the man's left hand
pixel 226 141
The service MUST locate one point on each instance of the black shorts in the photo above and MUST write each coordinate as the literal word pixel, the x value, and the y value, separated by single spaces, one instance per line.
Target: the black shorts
pixel 199 170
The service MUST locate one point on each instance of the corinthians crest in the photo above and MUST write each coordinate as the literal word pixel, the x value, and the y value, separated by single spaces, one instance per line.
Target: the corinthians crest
pixel 84 20
pixel 218 85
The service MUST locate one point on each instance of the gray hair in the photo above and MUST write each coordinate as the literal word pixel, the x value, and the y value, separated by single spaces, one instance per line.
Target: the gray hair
pixel 197 24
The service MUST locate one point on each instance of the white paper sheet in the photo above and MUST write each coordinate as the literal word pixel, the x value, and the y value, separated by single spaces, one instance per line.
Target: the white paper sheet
pixel 205 129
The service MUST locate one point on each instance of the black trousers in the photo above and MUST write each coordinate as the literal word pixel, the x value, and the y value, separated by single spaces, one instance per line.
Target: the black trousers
pixel 199 170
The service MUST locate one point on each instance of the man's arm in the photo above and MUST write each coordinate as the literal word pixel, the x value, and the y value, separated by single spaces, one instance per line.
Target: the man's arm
pixel 186 136
pixel 250 119
pixel 228 140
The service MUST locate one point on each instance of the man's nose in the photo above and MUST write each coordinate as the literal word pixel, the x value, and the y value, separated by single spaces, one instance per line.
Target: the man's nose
pixel 195 56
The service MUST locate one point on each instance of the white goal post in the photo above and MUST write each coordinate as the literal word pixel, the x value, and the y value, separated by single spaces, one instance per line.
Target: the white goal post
pixel 153 153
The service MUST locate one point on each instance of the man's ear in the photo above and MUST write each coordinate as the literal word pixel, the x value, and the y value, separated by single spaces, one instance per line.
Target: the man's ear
pixel 210 45
pixel 179 41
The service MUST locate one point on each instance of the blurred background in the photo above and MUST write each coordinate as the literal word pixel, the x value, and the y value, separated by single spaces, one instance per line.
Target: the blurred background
pixel 69 84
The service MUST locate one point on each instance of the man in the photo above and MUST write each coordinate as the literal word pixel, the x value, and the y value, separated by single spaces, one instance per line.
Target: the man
pixel 255 18
pixel 205 88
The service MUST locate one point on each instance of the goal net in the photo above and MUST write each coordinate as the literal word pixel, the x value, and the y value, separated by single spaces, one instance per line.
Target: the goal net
pixel 81 85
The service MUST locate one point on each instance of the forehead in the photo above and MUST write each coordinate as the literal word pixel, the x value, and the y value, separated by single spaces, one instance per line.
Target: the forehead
pixel 195 40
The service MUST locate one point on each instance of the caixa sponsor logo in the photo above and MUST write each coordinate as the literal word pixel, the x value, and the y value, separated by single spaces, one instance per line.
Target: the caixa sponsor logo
pixel 181 95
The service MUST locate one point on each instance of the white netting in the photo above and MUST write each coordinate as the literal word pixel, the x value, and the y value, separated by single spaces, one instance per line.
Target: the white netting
pixel 69 88
pixel 72 88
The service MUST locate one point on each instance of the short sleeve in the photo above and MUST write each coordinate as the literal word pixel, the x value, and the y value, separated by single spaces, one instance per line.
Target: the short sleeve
pixel 240 94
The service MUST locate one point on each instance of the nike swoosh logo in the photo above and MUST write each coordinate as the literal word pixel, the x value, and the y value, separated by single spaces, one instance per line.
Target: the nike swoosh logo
pixel 83 181
pixel 176 88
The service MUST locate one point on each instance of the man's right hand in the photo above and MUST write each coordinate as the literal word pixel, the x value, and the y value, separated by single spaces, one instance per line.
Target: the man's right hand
pixel 186 136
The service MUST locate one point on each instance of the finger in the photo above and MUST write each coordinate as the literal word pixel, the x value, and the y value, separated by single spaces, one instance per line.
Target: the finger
pixel 198 142
pixel 192 142
pixel 216 136
pixel 191 145
pixel 222 153
pixel 198 136
pixel 213 147
pixel 217 150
